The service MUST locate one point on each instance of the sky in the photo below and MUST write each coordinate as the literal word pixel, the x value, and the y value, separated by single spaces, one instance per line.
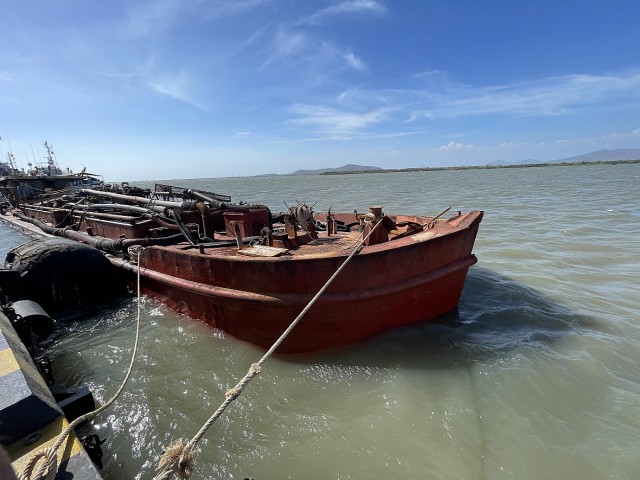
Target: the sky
pixel 169 89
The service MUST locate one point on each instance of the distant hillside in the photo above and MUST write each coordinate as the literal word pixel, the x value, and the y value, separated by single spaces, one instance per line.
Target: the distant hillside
pixel 597 156
pixel 345 168
pixel 604 156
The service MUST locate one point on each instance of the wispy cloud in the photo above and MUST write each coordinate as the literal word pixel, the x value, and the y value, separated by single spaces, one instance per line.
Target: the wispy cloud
pixel 508 145
pixel 178 83
pixel 287 44
pixel 342 8
pixel 179 87
pixel 621 135
pixel 152 17
pixel 608 140
pixel 359 111
pixel 456 146
pixel 296 49
pixel 546 97
pixel 228 8
pixel 148 18
pixel 352 60
pixel 299 46
pixel 335 122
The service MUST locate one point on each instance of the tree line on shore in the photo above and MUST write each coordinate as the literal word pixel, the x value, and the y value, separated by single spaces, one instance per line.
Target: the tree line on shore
pixel 484 167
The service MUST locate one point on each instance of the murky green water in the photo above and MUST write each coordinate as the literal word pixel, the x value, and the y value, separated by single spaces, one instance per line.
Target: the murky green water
pixel 537 376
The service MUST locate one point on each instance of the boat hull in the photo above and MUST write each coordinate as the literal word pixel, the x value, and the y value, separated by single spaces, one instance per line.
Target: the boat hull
pixel 414 275
pixel 335 319
pixel 417 278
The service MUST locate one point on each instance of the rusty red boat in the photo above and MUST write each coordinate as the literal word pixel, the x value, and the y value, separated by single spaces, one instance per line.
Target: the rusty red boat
pixel 249 272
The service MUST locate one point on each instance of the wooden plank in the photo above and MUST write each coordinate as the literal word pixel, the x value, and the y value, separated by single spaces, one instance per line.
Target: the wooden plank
pixel 262 251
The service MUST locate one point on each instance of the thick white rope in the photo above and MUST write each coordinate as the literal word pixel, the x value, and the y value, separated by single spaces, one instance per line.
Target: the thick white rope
pixel 48 468
pixel 178 458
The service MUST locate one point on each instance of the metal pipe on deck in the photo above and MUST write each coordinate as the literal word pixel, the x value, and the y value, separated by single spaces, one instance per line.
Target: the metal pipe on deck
pixel 110 216
pixel 141 200
pixel 221 205
pixel 206 198
pixel 118 206
pixel 101 243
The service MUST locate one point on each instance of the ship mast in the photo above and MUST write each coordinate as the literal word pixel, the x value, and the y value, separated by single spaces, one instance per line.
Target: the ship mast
pixel 49 157
pixel 11 160
pixel 52 165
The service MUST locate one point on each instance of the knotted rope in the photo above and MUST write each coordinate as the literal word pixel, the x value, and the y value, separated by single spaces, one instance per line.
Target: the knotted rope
pixel 178 458
pixel 47 459
pixel 302 214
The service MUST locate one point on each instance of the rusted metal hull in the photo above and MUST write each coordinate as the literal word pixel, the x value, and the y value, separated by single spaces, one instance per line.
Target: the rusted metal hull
pixel 54 216
pixel 387 285
pixel 412 275
pixel 336 319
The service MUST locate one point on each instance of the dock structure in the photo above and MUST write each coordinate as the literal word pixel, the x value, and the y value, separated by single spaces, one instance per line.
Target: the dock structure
pixel 30 419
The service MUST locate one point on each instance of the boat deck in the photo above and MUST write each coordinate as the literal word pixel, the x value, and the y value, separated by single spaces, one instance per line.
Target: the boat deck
pixel 336 245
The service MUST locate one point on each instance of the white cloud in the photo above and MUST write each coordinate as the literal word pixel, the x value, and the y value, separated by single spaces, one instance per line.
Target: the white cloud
pixel 349 7
pixel 354 61
pixel 285 45
pixel 440 98
pixel 296 47
pixel 362 113
pixel 298 50
pixel 227 8
pixel 178 87
pixel 545 97
pixel 622 135
pixel 608 140
pixel 326 120
pixel 509 145
pixel 456 146
pixel 149 18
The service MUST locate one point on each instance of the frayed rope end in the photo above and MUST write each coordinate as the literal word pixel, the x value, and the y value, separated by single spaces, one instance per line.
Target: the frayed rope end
pixel 177 460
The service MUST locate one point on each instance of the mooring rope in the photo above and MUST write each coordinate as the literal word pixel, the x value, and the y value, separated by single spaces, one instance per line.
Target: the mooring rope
pixel 47 458
pixel 178 458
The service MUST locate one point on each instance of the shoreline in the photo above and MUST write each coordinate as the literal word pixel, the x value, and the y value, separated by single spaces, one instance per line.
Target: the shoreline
pixel 485 167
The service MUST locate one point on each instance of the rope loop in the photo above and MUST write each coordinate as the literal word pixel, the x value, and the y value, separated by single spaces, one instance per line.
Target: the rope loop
pixel 47 462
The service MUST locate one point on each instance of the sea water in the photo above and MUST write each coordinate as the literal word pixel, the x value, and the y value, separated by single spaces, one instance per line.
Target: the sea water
pixel 536 376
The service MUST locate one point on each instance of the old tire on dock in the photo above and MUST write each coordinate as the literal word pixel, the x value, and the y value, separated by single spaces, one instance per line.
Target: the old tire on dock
pixel 61 274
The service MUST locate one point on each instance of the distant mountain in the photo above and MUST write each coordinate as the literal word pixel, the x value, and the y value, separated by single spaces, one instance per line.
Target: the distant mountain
pixel 597 156
pixel 345 168
pixel 604 156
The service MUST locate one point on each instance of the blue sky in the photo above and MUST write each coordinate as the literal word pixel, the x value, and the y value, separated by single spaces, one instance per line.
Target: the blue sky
pixel 165 89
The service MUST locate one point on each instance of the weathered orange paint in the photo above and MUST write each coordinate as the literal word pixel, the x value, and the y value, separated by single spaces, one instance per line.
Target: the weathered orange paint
pixel 406 277
pixel 418 277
